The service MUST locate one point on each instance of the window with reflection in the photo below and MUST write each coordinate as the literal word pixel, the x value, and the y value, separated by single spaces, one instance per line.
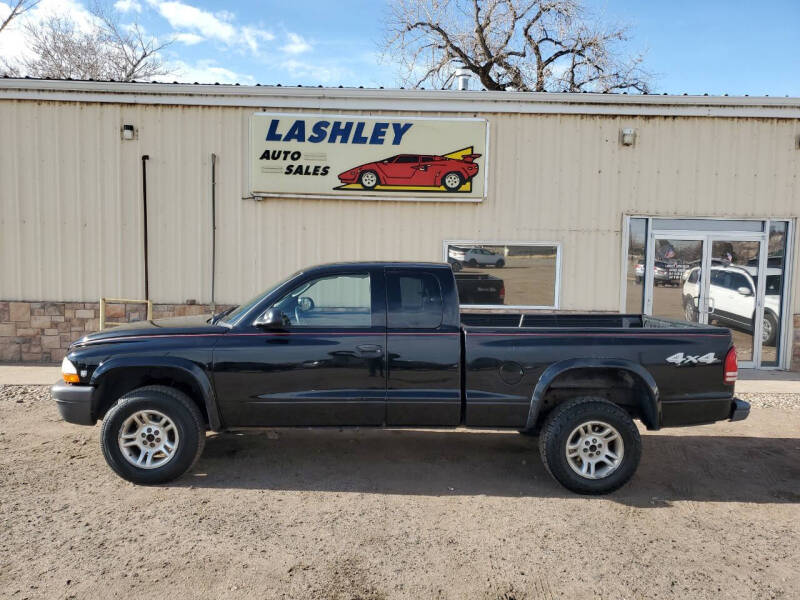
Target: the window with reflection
pixel 334 301
pixel 637 236
pixel 775 287
pixel 505 274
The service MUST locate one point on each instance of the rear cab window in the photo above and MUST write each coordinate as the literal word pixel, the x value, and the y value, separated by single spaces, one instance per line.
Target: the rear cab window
pixel 414 300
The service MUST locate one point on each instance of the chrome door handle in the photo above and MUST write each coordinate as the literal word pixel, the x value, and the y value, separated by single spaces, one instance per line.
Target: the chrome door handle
pixel 369 348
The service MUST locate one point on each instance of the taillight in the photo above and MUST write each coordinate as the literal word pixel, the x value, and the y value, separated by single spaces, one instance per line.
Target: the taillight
pixel 731 367
pixel 503 293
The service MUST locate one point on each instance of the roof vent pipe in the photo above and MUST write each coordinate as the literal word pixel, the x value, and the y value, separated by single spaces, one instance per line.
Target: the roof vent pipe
pixel 462 79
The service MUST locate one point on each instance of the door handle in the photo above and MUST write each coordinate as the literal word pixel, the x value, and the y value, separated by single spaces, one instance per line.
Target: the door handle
pixel 369 349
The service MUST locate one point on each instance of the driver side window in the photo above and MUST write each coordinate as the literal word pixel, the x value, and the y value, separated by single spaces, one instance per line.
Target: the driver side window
pixel 333 301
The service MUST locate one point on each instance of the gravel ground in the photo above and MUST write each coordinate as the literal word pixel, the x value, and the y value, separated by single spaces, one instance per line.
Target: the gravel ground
pixel 714 512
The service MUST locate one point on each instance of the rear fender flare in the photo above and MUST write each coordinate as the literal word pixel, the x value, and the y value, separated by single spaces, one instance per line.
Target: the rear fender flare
pixel 193 370
pixel 650 405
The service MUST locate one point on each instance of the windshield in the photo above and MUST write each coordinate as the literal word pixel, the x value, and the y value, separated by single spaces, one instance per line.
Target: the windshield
pixel 241 310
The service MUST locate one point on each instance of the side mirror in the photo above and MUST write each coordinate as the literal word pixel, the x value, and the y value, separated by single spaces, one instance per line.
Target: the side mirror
pixel 272 319
pixel 745 291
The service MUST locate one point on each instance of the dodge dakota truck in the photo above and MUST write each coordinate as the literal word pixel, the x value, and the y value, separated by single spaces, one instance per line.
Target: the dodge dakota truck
pixel 385 345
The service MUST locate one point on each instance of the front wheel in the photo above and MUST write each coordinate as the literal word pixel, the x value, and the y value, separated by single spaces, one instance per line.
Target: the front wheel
pixel 152 435
pixel 369 180
pixel 769 329
pixel 590 445
pixel 689 311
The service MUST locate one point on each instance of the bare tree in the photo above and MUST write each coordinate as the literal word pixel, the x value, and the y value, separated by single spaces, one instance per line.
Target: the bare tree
pixel 18 8
pixel 525 45
pixel 61 49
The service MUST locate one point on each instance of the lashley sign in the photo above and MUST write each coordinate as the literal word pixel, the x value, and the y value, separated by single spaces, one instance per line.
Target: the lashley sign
pixel 353 156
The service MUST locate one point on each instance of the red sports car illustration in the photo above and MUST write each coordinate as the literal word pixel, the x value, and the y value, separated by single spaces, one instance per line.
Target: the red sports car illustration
pixel 421 170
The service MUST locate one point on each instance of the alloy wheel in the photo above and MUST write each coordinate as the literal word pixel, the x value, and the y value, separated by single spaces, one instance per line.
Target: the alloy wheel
pixel 148 439
pixel 595 449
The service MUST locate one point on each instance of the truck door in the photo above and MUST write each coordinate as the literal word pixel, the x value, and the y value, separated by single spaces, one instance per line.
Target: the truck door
pixel 424 351
pixel 327 366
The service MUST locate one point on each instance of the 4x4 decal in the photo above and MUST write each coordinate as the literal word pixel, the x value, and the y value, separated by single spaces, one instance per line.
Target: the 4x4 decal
pixel 680 359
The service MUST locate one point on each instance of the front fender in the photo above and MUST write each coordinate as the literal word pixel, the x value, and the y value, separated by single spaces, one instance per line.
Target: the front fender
pixel 185 366
pixel 651 405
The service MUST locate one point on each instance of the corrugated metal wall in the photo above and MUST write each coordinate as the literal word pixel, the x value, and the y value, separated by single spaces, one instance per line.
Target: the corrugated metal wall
pixel 70 189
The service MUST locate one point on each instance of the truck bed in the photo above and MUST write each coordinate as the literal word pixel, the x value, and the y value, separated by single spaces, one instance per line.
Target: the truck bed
pixel 506 356
pixel 573 320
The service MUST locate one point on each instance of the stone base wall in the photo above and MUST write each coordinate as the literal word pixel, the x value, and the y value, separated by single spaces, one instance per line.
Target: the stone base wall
pixel 41 332
pixel 796 345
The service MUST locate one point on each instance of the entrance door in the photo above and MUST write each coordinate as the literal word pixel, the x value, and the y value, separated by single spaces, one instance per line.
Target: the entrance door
pixel 709 278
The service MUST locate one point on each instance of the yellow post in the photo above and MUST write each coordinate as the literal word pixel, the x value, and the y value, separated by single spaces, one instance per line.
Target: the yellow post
pixel 102 314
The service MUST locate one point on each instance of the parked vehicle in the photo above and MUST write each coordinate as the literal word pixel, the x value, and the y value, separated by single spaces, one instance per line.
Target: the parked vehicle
pixel 475 257
pixel 480 288
pixel 664 273
pixel 732 298
pixel 422 170
pixel 384 344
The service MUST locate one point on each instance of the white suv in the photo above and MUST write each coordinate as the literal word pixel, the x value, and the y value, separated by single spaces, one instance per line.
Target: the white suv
pixel 732 298
pixel 475 257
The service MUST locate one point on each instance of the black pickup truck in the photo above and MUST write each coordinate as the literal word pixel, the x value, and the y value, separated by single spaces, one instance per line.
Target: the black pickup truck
pixel 384 345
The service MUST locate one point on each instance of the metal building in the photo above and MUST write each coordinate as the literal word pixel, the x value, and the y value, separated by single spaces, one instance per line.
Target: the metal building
pixel 580 202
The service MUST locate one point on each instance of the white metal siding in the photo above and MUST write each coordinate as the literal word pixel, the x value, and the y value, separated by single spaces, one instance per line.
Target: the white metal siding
pixel 70 189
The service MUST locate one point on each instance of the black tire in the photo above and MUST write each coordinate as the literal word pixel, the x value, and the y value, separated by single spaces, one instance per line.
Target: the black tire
pixel 179 408
pixel 369 179
pixel 472 263
pixel 452 181
pixel 689 311
pixel 500 264
pixel 456 266
pixel 772 322
pixel 563 421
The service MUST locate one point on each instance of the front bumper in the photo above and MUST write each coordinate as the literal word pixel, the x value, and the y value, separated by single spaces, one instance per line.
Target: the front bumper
pixel 74 402
pixel 739 410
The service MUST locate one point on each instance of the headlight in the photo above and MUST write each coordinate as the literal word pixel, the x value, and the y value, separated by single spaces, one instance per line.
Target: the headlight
pixel 69 372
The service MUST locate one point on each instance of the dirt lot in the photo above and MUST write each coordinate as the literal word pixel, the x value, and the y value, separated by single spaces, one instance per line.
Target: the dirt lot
pixel 714 512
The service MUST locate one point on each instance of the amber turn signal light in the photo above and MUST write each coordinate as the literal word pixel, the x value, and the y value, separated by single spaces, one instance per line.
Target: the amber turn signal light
pixel 71 378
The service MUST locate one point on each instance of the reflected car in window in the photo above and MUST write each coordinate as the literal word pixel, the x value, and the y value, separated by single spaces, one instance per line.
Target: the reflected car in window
pixel 732 298
pixel 475 257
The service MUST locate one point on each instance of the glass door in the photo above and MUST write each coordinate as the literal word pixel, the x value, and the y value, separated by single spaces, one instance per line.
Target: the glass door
pixel 675 281
pixel 710 278
pixel 734 292
pixel 731 273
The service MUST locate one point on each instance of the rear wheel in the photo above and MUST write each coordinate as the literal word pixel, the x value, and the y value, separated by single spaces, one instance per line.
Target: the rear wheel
pixel 152 435
pixel 452 181
pixel 500 263
pixel 590 446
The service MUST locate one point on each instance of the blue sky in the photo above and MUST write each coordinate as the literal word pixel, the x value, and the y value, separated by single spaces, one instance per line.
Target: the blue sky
pixel 700 46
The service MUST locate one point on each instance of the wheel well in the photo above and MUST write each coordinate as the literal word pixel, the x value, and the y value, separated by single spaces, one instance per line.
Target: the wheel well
pixel 120 381
pixel 620 386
